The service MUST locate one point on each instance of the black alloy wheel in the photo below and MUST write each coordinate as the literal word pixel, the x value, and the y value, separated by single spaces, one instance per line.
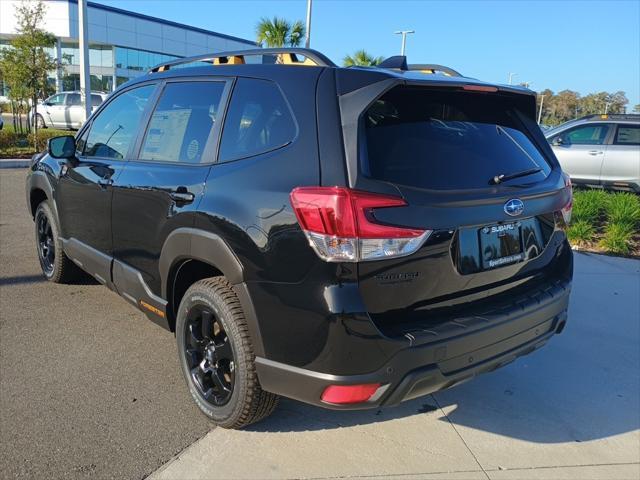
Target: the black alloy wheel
pixel 209 356
pixel 46 243
pixel 216 355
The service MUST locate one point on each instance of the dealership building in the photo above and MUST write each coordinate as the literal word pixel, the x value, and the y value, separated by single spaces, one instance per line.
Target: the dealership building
pixel 122 44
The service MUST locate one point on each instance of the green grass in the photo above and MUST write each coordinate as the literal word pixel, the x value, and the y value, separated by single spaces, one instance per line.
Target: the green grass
pixel 581 232
pixel 617 238
pixel 606 221
pixel 624 208
pixel 589 205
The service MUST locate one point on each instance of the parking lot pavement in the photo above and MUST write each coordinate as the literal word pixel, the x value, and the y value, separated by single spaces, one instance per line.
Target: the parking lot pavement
pixel 89 387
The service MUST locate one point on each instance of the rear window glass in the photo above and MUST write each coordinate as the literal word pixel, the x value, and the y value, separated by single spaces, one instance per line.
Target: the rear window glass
pixel 446 140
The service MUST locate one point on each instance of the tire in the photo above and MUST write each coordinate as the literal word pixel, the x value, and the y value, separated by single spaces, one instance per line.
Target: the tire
pixel 210 328
pixel 39 120
pixel 56 266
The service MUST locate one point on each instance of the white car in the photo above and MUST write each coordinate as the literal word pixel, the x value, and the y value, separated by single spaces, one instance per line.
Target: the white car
pixel 64 109
pixel 600 150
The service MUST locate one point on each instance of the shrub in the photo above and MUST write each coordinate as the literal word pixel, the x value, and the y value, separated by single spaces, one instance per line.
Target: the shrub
pixel 588 205
pixel 580 232
pixel 624 208
pixel 10 140
pixel 617 238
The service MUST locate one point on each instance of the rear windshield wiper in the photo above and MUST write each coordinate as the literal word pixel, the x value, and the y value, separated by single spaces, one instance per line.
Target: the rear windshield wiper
pixel 503 178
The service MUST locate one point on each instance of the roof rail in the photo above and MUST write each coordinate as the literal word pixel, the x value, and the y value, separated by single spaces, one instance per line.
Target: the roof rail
pixel 611 116
pixel 434 68
pixel 284 56
pixel 399 62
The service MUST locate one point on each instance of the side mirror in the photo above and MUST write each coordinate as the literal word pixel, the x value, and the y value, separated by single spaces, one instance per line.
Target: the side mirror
pixel 558 141
pixel 62 147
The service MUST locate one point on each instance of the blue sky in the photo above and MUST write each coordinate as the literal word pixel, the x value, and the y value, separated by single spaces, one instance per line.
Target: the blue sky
pixel 586 46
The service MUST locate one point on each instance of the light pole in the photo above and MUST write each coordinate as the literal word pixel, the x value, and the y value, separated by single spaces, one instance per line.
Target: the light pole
pixel 404 34
pixel 511 75
pixel 540 112
pixel 307 41
pixel 83 37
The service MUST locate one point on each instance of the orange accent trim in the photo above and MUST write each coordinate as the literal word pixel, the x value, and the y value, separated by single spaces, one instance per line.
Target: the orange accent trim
pixel 292 59
pixel 151 308
pixel 233 60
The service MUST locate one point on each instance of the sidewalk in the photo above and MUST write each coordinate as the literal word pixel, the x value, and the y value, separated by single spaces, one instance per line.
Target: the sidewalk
pixel 569 410
pixel 14 162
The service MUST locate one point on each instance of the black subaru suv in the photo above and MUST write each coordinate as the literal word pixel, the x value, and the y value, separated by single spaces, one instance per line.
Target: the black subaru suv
pixel 347 237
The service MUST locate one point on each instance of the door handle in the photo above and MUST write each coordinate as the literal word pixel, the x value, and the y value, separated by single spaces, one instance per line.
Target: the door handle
pixel 595 152
pixel 182 195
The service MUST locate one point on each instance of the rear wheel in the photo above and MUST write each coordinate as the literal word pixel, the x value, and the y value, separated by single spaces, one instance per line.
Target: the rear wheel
pixel 55 265
pixel 216 356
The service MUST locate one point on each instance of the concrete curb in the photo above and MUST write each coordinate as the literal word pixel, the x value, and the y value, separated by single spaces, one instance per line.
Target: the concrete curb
pixel 14 162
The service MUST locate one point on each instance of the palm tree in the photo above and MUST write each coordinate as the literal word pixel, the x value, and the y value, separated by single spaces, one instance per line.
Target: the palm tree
pixel 361 59
pixel 279 32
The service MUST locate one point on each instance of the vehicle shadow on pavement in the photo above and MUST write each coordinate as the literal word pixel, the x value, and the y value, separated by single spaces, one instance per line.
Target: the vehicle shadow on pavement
pixel 545 398
pixel 22 279
pixel 583 385
pixel 83 279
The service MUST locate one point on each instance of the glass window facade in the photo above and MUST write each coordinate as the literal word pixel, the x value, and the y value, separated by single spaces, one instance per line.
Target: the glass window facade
pixel 99 55
pixel 139 60
pixel 99 83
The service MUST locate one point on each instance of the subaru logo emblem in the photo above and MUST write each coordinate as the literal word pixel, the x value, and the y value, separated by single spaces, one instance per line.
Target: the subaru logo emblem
pixel 514 207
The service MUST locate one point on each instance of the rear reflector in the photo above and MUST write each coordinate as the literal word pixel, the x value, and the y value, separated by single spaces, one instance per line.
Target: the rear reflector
pixel 342 394
pixel 341 227
pixel 568 208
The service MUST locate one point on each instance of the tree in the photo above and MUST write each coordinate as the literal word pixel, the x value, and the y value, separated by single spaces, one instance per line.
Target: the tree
pixel 361 59
pixel 567 105
pixel 636 109
pixel 25 65
pixel 278 32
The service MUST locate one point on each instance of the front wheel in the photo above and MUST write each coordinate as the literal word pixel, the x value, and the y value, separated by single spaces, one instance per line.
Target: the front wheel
pixel 39 121
pixel 56 266
pixel 216 356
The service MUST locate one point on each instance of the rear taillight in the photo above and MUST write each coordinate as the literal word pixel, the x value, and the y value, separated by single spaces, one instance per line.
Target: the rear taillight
pixel 341 394
pixel 340 224
pixel 566 210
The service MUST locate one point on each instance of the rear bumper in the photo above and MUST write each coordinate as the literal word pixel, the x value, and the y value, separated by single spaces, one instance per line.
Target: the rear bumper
pixel 427 367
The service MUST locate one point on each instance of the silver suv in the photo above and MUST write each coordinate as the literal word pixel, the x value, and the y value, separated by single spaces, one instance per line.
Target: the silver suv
pixel 600 150
pixel 64 109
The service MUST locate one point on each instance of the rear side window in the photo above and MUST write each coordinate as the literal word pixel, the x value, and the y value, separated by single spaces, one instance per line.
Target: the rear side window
pixel 181 126
pixel 258 120
pixel 628 135
pixel 446 140
pixel 116 126
pixel 96 100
